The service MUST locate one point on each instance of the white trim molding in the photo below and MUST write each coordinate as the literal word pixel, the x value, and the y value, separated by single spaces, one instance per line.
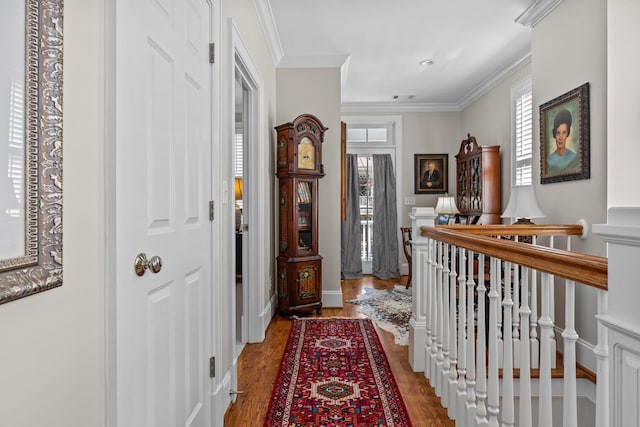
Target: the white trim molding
pixel 268 24
pixel 536 12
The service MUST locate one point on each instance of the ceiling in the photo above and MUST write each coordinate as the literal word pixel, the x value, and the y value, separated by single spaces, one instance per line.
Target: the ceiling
pixel 379 43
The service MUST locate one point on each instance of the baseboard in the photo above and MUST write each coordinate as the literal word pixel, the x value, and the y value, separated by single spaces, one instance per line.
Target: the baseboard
pixel 404 269
pixel 332 299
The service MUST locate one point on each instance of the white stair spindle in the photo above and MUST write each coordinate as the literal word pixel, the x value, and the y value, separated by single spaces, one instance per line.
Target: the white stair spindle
pixel 493 400
pixel 471 356
pixel 508 414
pixel 434 320
pixel 525 412
pixel 446 363
pixel 545 417
pixel 453 343
pixel 428 290
pixel 462 345
pixel 439 321
pixel 481 349
pixel 533 320
pixel 570 336
pixel 515 315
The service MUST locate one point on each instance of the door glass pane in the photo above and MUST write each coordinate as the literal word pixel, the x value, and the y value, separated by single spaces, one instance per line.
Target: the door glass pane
pixel 365 184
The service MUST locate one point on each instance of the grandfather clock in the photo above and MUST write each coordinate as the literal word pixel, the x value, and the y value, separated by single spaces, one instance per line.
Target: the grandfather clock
pixel 299 163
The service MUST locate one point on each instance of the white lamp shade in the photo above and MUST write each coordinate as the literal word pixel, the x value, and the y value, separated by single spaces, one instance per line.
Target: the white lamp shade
pixel 446 206
pixel 523 203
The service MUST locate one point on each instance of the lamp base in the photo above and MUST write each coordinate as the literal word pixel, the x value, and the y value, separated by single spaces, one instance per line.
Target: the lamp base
pixel 524 221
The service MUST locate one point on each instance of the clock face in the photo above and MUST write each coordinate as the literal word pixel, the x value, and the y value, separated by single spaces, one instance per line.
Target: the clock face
pixel 306 154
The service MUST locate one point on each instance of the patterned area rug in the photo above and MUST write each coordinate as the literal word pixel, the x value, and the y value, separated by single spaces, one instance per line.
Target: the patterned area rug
pixel 334 373
pixel 390 309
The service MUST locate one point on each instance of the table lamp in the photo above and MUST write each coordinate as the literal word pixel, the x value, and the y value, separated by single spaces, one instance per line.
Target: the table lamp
pixel 446 206
pixel 523 205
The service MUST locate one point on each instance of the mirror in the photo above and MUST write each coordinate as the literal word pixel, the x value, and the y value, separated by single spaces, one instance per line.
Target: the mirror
pixel 30 147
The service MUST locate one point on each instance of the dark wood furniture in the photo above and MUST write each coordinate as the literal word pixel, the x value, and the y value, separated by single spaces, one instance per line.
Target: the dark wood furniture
pixel 478 181
pixel 299 164
pixel 406 247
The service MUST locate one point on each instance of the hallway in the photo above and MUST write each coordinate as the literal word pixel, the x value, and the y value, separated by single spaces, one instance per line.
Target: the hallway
pixel 258 366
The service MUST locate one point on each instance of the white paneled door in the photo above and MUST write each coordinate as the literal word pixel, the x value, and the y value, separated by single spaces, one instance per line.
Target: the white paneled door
pixel 163 187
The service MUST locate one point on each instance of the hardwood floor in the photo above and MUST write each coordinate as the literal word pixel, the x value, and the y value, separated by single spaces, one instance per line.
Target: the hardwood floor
pixel 258 366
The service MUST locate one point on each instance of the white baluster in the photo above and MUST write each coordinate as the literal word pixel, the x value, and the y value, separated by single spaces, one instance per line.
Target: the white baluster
pixel 471 356
pixel 428 291
pixel 525 414
pixel 481 349
pixel 439 321
pixel 462 345
pixel 453 351
pixel 570 336
pixel 434 321
pixel 515 315
pixel 493 401
pixel 533 320
pixel 602 364
pixel 446 364
pixel 508 416
pixel 546 330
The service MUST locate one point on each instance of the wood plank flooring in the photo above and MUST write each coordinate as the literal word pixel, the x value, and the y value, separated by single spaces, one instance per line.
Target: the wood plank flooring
pixel 258 366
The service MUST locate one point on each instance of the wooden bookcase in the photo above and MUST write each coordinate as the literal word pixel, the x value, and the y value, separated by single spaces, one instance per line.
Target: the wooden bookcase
pixel 478 181
pixel 299 265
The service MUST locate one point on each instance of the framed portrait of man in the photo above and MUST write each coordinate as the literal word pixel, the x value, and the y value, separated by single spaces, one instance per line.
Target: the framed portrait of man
pixel 564 137
pixel 431 173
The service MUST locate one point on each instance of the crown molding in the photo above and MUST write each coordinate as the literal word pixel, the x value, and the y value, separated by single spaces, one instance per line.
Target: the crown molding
pixel 314 61
pixel 396 107
pixel 268 24
pixel 536 12
pixel 408 107
pixel 494 80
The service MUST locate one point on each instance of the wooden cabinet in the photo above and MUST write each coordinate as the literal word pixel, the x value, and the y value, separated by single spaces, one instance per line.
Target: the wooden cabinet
pixel 299 164
pixel 478 181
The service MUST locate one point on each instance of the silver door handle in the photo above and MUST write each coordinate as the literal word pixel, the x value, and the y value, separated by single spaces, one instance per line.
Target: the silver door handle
pixel 141 264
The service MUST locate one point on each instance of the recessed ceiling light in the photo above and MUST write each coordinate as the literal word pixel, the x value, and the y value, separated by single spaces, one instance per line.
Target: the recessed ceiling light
pixel 426 62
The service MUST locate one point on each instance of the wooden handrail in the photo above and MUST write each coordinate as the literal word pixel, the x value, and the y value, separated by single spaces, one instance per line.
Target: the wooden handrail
pixel 587 269
pixel 517 230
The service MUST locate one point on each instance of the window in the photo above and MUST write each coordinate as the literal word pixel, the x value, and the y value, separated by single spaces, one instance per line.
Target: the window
pixel 369 134
pixel 522 134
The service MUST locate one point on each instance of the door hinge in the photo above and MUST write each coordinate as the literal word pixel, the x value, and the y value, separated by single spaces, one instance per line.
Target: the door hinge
pixel 212 210
pixel 212 367
pixel 212 53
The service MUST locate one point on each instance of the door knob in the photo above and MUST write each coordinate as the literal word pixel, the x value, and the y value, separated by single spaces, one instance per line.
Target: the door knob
pixel 142 263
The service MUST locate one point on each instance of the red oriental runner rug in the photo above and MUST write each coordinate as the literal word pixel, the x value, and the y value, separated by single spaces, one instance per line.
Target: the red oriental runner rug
pixel 334 373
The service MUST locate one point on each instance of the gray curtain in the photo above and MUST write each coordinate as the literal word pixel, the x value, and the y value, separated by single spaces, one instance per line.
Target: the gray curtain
pixel 385 221
pixel 351 248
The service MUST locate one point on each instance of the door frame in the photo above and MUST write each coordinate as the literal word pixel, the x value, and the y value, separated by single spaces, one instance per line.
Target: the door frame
pixel 395 148
pixel 110 175
pixel 254 277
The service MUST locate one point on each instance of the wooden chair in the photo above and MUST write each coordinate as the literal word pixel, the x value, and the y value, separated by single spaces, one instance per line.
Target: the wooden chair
pixel 406 247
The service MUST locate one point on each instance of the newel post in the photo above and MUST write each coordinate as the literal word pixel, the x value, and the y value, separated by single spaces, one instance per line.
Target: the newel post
pixel 420 217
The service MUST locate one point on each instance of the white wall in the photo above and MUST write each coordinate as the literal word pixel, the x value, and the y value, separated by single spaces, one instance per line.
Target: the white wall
pixel 623 102
pixel 317 91
pixel 53 343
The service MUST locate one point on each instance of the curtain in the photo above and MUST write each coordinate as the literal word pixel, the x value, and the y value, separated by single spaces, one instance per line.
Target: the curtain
pixel 385 221
pixel 351 247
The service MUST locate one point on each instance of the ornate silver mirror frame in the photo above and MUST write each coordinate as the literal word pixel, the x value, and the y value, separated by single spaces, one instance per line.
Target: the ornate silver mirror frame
pixel 37 264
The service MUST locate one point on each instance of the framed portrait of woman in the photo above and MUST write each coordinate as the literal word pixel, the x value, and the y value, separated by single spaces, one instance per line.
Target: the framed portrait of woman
pixel 564 137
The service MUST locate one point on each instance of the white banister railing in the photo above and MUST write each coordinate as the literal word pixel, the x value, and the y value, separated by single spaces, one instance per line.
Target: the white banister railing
pixel 473 357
